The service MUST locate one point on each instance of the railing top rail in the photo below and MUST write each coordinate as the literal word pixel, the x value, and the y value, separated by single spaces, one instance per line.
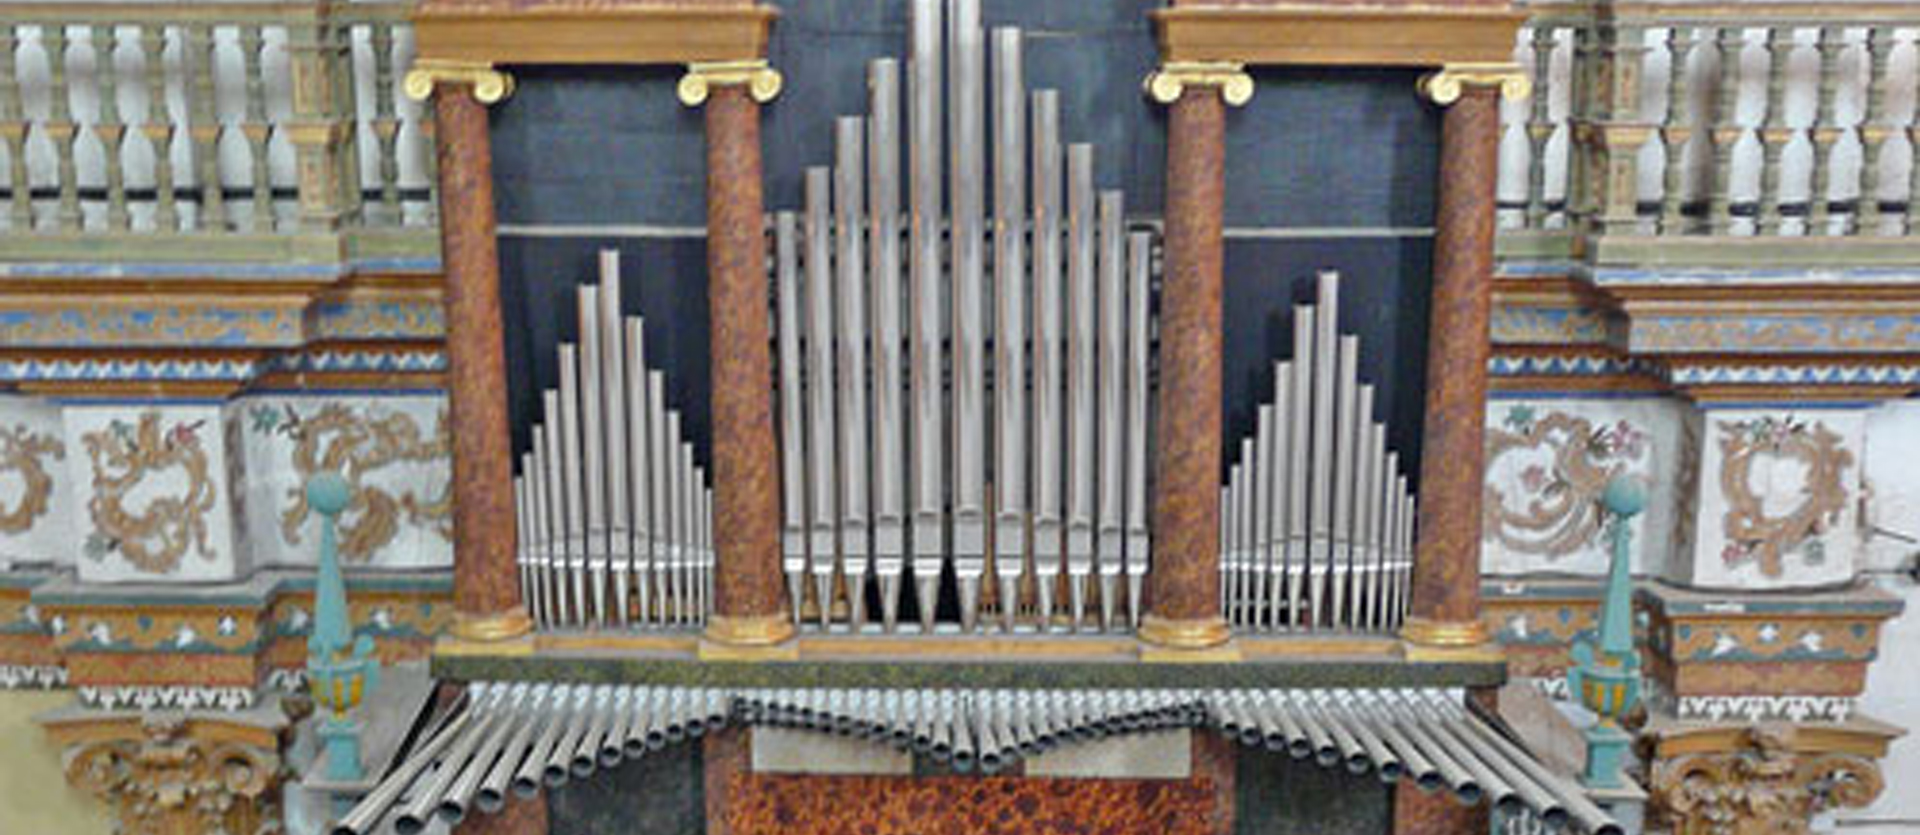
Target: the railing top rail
pixel 210 11
pixel 1723 13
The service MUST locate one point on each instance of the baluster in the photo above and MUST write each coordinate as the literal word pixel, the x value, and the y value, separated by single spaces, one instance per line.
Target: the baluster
pixel 108 126
pixel 1677 131
pixel 386 123
pixel 59 127
pixel 1776 133
pixel 13 127
pixel 1874 131
pixel 258 128
pixel 1826 130
pixel 201 50
pixel 159 128
pixel 1539 127
pixel 1726 128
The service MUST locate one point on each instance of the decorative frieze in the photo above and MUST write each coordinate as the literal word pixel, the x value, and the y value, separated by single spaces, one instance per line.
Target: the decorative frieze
pixel 155 488
pixel 166 697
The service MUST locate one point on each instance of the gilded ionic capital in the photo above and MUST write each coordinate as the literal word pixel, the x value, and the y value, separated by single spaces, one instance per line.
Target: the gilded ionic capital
pixel 1444 87
pixel 1165 85
pixel 490 85
pixel 762 82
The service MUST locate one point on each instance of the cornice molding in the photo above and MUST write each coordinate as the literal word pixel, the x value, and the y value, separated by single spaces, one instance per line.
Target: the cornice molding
pixel 1328 35
pixel 601 34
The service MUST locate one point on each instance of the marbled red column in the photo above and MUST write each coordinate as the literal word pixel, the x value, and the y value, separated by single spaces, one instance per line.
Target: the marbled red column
pixel 1183 588
pixel 748 590
pixel 486 587
pixel 1446 570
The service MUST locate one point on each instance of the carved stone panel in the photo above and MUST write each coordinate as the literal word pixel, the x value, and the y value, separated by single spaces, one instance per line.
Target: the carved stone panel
pixel 152 483
pixel 178 774
pixel 1766 779
pixel 36 508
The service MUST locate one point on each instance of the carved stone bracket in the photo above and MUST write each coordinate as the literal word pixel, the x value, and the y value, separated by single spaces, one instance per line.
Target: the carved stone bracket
pixel 174 773
pixel 762 82
pixel 1446 86
pixel 1763 779
pixel 490 85
pixel 1165 85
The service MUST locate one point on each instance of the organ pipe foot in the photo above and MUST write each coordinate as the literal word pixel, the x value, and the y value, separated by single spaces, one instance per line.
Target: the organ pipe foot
pixel 1009 602
pixel 890 601
pixel 797 593
pixel 969 603
pixel 857 599
pixel 1109 600
pixel 926 587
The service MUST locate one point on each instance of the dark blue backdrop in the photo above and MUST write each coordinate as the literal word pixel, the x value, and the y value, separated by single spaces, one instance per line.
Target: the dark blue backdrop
pixel 1327 150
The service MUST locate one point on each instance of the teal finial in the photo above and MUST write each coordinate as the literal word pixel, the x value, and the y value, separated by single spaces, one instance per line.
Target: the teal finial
pixel 340 668
pixel 1606 679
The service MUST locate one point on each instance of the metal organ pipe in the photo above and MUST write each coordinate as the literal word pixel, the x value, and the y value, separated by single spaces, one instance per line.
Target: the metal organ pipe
pixel 889 384
pixel 966 77
pixel 1049 372
pixel 613 387
pixel 1010 319
pixel 928 470
pixel 850 281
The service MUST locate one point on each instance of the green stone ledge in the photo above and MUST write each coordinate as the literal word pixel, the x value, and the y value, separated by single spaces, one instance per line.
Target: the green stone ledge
pixel 602 668
pixel 1858 599
pixel 224 247
pixel 63 589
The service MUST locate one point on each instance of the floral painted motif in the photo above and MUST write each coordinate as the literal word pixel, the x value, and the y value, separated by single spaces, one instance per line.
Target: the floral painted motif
pixel 22 451
pixel 124 457
pixel 1753 534
pixel 1557 511
pixel 357 443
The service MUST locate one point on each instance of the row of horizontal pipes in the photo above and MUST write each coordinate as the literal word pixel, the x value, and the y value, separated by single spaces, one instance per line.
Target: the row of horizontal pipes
pixel 512 739
pixel 1316 518
pixel 898 464
pixel 617 514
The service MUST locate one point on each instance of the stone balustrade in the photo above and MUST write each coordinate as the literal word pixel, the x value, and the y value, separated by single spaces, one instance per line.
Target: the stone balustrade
pixel 223 129
pixel 1672 119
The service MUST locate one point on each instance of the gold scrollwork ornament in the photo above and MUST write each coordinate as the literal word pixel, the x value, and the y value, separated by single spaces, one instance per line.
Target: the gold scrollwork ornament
pixel 21 451
pixel 1168 83
pixel 762 82
pixel 1446 86
pixel 490 85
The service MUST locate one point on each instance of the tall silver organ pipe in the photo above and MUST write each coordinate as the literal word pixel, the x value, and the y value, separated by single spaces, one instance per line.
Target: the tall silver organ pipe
pixel 616 515
pixel 1010 320
pixel 1006 425
pixel 1316 524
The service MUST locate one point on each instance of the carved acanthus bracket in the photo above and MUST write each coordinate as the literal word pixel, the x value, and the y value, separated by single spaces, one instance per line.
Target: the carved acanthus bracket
pixel 490 85
pixel 175 774
pixel 1446 86
pixel 1167 84
pixel 762 82
pixel 1766 779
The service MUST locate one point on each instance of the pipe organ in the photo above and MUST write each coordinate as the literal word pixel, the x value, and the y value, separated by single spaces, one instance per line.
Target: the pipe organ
pixel 967 418
pixel 616 516
pixel 1316 518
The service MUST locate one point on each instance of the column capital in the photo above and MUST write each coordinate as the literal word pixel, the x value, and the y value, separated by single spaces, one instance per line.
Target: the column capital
pixel 1445 86
pixel 490 85
pixel 762 82
pixel 1165 85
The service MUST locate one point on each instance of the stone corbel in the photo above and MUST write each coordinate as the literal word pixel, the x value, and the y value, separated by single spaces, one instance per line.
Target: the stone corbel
pixel 762 82
pixel 175 774
pixel 1763 779
pixel 1446 86
pixel 490 85
pixel 1167 84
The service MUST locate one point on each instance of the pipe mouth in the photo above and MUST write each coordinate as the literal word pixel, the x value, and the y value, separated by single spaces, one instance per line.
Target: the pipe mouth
pixel 409 825
pixel 1299 748
pixel 1391 771
pixel 525 787
pixel 656 740
pixel 1510 804
pixel 675 733
pixel 1251 737
pixel 490 801
pixel 344 829
pixel 963 761
pixel 1429 781
pixel 554 776
pixel 922 744
pixel 1359 764
pixel 1609 829
pixel 697 726
pixel 1274 742
pixel 1326 755
pixel 610 754
pixel 451 813
pixel 582 766
pixel 990 763
pixel 1558 818
pixel 942 751
pixel 1469 793
pixel 633 747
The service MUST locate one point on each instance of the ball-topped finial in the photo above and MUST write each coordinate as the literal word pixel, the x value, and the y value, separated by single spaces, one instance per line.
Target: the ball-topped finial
pixel 328 493
pixel 1625 496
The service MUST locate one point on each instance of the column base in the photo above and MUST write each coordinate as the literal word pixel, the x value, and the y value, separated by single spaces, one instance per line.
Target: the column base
pixel 1184 635
pixel 1431 640
pixel 749 638
pixel 492 627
